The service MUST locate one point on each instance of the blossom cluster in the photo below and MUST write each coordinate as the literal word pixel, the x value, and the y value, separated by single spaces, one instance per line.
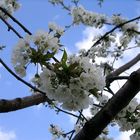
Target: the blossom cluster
pixel 73 83
pixel 128 30
pixel 117 19
pixel 46 41
pixel 70 81
pixel 81 15
pixel 47 45
pixel 55 28
pixel 129 119
pixel 10 6
pixel 20 56
pixel 56 132
pixel 103 49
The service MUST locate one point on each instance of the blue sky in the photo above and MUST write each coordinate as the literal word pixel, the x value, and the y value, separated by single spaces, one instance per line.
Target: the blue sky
pixel 33 122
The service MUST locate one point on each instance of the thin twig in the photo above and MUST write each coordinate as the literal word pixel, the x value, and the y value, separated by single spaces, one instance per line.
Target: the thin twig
pixel 83 115
pixel 10 27
pixel 20 79
pixel 65 7
pixel 110 91
pixel 59 109
pixel 119 78
pixel 69 132
pixel 97 105
pixel 80 114
pixel 16 21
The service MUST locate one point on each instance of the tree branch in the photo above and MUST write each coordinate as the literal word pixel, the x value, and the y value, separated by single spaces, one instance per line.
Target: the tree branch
pixel 126 66
pixel 119 101
pixel 20 103
pixel 121 69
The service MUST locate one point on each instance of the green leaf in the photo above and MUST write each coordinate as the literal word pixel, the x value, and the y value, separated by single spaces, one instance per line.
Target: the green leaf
pixel 48 56
pixel 94 92
pixel 33 50
pixel 64 59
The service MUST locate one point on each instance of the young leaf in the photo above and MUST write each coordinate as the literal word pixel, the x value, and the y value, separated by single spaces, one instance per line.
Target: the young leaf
pixel 64 59
pixel 48 56
pixel 94 92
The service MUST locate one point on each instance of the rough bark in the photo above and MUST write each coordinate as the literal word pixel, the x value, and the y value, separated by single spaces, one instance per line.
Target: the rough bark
pixel 19 103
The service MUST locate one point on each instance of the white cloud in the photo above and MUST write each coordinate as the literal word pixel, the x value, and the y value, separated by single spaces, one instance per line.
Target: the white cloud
pixel 124 135
pixel 57 17
pixel 88 34
pixel 7 135
pixel 39 107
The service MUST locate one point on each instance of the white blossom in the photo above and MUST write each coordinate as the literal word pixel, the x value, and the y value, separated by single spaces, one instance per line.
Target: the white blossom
pixel 10 6
pixel 57 29
pixel 20 56
pixel 94 110
pixel 55 131
pixel 45 41
pixel 20 70
pixel 127 119
pixel 103 99
pixel 80 15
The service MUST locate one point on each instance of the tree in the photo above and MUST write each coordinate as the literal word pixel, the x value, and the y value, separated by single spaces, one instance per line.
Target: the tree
pixel 77 82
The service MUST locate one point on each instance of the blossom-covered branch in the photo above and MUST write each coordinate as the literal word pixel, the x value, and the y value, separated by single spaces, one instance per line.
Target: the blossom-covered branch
pixel 119 101
pixel 112 30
